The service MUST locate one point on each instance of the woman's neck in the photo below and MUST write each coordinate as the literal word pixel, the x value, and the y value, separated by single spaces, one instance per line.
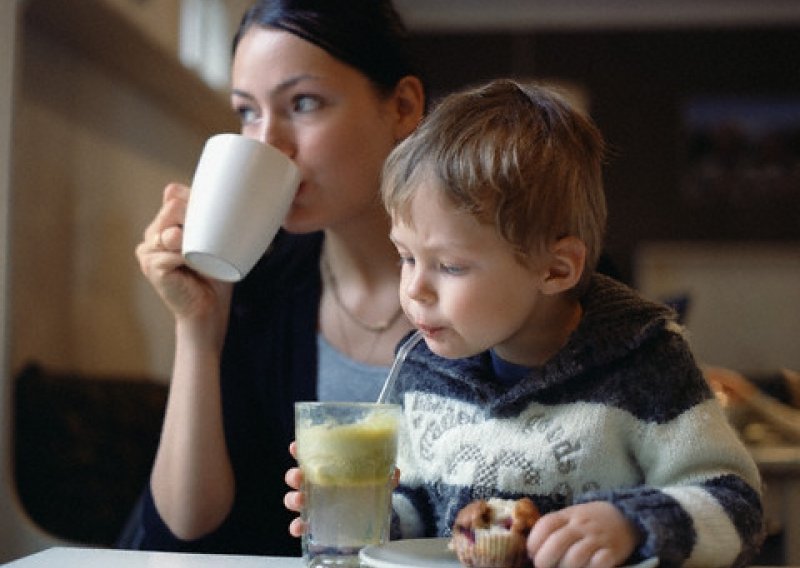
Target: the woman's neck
pixel 361 254
pixel 360 311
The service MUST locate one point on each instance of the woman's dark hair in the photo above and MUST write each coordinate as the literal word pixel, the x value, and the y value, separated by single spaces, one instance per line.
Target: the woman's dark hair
pixel 368 35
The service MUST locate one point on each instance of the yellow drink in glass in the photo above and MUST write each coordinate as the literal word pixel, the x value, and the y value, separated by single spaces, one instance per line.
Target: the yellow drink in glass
pixel 347 452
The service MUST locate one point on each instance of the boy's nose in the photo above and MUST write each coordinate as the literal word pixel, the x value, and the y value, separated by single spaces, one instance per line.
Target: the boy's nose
pixel 418 288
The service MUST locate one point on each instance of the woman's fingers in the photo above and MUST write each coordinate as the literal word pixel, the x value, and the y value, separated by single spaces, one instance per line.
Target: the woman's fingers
pixel 165 232
pixel 176 191
pixel 159 252
pixel 171 238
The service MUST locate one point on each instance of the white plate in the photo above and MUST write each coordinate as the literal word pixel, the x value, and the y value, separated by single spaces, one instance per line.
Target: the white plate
pixel 411 553
pixel 427 553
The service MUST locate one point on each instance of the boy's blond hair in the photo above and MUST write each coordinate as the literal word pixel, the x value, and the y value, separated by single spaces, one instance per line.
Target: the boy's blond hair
pixel 518 157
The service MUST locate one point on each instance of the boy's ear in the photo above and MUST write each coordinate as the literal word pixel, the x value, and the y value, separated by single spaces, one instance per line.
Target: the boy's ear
pixel 567 260
pixel 409 104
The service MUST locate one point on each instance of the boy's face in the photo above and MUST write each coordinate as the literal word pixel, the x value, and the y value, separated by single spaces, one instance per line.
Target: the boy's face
pixel 461 283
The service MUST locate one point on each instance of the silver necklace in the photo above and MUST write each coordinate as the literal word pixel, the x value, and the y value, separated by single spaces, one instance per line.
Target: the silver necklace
pixel 378 328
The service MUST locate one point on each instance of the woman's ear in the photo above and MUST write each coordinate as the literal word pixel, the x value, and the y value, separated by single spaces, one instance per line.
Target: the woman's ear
pixel 409 100
pixel 567 259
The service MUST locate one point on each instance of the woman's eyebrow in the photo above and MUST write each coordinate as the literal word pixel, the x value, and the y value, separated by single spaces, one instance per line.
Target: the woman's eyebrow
pixel 242 94
pixel 280 87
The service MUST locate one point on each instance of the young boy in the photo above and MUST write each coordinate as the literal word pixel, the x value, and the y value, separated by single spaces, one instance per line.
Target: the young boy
pixel 538 377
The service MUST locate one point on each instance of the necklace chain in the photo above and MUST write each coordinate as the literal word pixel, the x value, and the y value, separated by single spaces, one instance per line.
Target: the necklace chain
pixel 346 338
pixel 372 328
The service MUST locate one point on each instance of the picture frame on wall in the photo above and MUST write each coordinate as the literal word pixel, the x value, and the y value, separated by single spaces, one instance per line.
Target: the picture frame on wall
pixel 741 152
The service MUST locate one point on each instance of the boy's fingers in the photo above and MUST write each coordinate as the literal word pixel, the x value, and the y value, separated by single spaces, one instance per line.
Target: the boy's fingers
pixel 294 478
pixel 294 501
pixel 297 527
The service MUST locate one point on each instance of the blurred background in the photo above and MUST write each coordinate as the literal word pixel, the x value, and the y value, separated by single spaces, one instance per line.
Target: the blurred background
pixel 103 102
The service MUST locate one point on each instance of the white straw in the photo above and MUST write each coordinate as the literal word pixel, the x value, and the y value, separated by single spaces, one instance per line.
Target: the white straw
pixel 402 353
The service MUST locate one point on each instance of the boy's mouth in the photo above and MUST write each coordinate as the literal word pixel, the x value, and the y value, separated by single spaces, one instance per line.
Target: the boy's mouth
pixel 428 330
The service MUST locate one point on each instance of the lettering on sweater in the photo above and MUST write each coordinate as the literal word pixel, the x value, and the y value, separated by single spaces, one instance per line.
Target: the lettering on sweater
pixel 561 448
pixel 441 417
pixel 489 456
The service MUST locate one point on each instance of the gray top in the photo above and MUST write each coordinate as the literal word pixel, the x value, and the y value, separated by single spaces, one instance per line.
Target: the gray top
pixel 343 379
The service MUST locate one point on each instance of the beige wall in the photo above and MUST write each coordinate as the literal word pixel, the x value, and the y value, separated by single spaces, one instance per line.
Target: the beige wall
pixel 18 535
pixel 743 299
pixel 82 167
pixel 91 155
pixel 160 19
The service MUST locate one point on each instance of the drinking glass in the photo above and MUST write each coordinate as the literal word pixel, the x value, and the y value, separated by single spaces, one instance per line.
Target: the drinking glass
pixel 347 453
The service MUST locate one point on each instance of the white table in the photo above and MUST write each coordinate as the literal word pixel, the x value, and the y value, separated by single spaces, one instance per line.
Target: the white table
pixel 68 557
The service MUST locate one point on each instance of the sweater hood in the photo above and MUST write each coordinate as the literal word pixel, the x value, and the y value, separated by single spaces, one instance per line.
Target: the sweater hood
pixel 615 322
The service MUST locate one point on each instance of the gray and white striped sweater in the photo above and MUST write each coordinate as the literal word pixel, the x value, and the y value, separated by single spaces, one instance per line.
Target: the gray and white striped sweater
pixel 620 414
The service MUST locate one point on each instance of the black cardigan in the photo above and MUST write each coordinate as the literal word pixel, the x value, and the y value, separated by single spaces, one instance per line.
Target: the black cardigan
pixel 269 361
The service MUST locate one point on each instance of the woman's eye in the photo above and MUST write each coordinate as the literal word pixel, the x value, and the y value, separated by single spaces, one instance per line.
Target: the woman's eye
pixel 306 103
pixel 406 259
pixel 246 114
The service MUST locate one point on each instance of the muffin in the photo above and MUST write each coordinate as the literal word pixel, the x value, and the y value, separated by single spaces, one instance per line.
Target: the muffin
pixel 493 533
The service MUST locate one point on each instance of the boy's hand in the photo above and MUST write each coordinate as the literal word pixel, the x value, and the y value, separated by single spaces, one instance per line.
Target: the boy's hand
pixel 594 535
pixel 295 500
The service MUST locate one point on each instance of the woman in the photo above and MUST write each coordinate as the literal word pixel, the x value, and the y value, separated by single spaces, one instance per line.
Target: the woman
pixel 330 83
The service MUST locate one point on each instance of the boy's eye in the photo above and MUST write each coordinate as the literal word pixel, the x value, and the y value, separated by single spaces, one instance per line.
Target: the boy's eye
pixel 452 269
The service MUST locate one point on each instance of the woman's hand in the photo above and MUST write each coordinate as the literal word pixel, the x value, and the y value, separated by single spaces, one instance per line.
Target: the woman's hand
pixel 594 535
pixel 187 294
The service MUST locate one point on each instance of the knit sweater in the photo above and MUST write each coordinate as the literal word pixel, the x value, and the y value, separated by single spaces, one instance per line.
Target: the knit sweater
pixel 620 414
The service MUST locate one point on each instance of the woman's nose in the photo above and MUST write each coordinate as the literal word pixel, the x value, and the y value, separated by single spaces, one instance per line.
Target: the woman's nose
pixel 271 133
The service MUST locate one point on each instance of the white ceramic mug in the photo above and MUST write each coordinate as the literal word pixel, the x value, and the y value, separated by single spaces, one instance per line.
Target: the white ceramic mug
pixel 241 191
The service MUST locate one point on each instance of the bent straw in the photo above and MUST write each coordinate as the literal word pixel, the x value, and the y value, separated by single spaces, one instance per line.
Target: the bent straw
pixel 402 353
